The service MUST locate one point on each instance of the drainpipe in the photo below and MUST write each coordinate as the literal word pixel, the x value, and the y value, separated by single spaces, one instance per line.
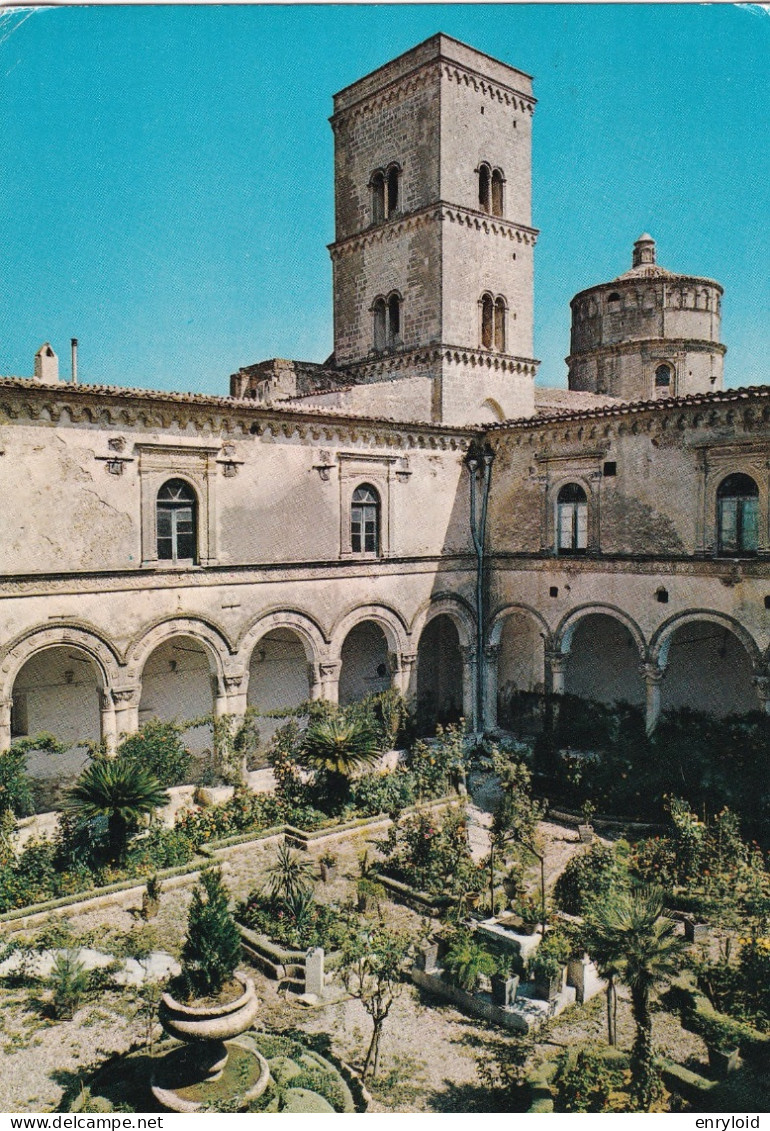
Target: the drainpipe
pixel 479 461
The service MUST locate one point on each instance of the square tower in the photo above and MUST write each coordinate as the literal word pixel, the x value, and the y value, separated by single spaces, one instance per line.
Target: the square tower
pixel 433 255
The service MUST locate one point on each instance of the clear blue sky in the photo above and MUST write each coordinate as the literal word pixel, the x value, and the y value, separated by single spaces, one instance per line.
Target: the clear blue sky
pixel 166 172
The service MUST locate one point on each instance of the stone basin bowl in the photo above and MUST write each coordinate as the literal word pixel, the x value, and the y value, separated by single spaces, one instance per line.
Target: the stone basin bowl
pixel 210 1022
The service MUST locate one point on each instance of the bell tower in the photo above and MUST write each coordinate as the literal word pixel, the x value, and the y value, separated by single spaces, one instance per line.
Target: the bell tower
pixel 433 250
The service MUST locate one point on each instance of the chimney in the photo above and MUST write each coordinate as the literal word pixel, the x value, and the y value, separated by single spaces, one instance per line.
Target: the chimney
pixel 74 343
pixel 46 365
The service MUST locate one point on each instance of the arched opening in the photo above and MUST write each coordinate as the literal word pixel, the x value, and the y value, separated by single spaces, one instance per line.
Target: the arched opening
pixel 177 522
pixel 572 519
pixel 500 324
pixel 663 377
pixel 487 321
pixel 378 197
pixel 439 674
pixel 57 691
pixel 604 662
pixel 613 302
pixel 497 193
pixel 520 673
pixel 738 515
pixel 394 320
pixel 178 684
pixel 380 312
pixel 393 178
pixel 279 677
pixel 707 669
pixel 485 180
pixel 365 520
pixel 365 666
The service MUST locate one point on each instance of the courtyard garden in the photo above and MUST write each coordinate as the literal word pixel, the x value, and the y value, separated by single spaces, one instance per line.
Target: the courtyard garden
pixel 393 934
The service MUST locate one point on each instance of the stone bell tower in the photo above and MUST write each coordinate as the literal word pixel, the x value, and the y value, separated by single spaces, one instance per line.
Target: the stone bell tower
pixel 433 250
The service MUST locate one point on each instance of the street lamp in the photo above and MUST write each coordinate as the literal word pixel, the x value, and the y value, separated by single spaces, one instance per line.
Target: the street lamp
pixel 479 463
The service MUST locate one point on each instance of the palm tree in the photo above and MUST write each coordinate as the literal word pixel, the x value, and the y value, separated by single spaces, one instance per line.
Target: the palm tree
pixel 338 746
pixel 640 947
pixel 119 790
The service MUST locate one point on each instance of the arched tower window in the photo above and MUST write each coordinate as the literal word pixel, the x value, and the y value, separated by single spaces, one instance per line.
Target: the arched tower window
pixel 176 518
pixel 377 185
pixel 380 311
pixel 500 324
pixel 738 515
pixel 393 175
pixel 571 520
pixel 365 520
pixel 663 377
pixel 485 187
pixel 497 192
pixel 487 321
pixel 394 320
pixel 613 302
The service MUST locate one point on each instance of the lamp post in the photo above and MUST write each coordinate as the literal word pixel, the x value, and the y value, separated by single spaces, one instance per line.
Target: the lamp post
pixel 479 463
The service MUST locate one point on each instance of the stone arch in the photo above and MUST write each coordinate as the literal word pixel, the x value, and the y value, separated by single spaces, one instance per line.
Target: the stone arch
pixel 305 627
pixel 704 668
pixel 446 604
pixel 661 638
pixel 568 624
pixel 604 660
pixel 392 624
pixel 519 638
pixel 210 636
pixel 86 638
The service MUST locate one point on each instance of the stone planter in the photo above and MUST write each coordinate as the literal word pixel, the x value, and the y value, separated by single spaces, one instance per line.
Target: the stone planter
pixel 722 1061
pixel 210 1022
pixel 586 834
pixel 547 990
pixel 504 989
pixel 695 932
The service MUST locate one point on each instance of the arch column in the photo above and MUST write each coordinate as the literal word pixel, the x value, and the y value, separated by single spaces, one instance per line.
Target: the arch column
pixel 329 678
pixel 469 659
pixel 652 674
pixel 555 671
pixel 762 684
pixel 5 724
pixel 108 726
pixel 491 656
pixel 403 664
pixel 231 698
pixel 126 709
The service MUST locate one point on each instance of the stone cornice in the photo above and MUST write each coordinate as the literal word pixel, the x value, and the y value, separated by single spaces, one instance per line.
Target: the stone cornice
pixel 748 406
pixel 409 359
pixel 109 407
pixel 640 282
pixel 494 90
pixel 636 345
pixel 441 210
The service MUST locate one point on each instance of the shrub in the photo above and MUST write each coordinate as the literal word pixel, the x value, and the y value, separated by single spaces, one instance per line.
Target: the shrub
pixel 158 748
pixel 589 876
pixel 583 1081
pixel 439 764
pixel 391 793
pixel 212 949
pixel 432 855
pixel 466 961
pixel 15 786
pixel 119 791
pixel 69 981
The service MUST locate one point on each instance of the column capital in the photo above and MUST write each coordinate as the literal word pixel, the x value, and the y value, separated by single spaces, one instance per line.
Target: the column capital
pixel 124 696
pixel 491 653
pixel 407 659
pixel 651 671
pixel 468 653
pixel 329 669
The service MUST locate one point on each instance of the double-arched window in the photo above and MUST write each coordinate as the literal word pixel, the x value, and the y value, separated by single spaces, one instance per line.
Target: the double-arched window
pixel 387 321
pixel 176 522
pixel 365 520
pixel 571 520
pixel 493 322
pixel 491 182
pixel 385 186
pixel 738 515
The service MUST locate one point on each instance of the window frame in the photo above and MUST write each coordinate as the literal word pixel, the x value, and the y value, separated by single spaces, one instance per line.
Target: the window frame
pixel 745 520
pixel 579 516
pixel 175 508
pixel 370 516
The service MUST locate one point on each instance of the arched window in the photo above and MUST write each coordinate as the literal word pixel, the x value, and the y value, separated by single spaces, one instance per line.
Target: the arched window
pixel 485 187
pixel 487 321
pixel 571 520
pixel 380 311
pixel 500 324
pixel 663 377
pixel 393 175
pixel 497 193
pixel 613 302
pixel 394 320
pixel 737 515
pixel 177 533
pixel 377 184
pixel 365 521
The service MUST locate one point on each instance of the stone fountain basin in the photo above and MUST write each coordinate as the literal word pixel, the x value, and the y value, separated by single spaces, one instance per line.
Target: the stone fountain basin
pixel 210 1022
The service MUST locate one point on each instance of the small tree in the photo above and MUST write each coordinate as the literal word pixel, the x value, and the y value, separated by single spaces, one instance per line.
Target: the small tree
pixel 212 949
pixel 373 963
pixel 158 747
pixel 15 786
pixel 515 820
pixel 120 791
pixel 338 746
pixel 235 739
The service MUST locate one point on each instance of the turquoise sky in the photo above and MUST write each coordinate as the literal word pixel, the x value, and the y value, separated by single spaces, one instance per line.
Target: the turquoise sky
pixel 166 172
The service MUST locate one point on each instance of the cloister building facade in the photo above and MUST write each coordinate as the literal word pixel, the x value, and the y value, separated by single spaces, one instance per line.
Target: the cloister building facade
pixel 168 555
